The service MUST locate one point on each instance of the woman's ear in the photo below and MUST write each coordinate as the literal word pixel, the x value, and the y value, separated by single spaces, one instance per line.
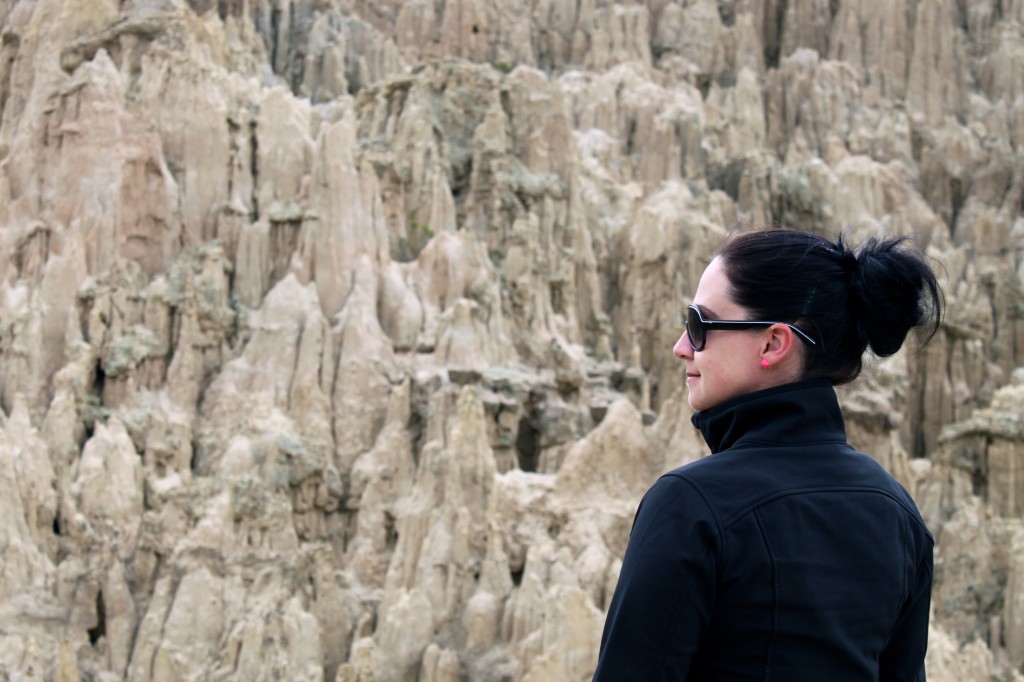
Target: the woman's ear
pixel 780 346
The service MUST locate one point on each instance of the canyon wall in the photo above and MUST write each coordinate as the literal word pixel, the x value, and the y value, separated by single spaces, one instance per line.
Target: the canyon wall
pixel 335 335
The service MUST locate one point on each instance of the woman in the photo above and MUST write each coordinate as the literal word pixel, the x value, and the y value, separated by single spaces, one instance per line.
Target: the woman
pixel 785 555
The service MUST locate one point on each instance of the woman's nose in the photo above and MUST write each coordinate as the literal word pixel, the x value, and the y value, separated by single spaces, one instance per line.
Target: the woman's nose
pixel 683 350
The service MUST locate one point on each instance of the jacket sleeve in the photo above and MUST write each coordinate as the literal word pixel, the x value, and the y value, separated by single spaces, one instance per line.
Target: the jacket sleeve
pixel 903 657
pixel 666 589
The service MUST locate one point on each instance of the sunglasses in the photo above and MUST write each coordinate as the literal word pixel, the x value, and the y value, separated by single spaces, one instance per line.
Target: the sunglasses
pixel 697 327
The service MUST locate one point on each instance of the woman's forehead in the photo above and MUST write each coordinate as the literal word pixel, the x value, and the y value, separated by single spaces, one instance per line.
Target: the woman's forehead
pixel 712 295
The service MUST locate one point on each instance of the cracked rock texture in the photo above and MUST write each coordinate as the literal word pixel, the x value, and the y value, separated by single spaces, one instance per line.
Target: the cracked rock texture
pixel 335 335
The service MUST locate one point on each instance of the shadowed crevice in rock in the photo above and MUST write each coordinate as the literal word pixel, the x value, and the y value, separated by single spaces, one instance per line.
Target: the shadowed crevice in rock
pixel 99 630
pixel 527 450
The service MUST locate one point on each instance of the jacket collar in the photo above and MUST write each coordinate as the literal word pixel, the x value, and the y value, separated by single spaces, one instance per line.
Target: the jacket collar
pixel 801 412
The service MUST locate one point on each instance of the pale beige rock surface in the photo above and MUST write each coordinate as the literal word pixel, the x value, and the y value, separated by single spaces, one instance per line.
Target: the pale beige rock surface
pixel 335 337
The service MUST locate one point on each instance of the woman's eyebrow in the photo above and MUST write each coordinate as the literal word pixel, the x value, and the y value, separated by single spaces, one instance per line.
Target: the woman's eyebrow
pixel 708 313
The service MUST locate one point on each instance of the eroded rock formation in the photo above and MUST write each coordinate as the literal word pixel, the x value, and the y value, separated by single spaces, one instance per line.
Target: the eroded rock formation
pixel 335 336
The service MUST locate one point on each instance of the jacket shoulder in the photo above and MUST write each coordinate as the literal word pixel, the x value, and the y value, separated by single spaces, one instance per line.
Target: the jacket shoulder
pixel 741 479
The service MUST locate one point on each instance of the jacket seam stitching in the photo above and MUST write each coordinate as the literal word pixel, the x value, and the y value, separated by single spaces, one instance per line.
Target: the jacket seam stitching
pixel 911 566
pixel 828 489
pixel 775 595
pixel 703 496
pixel 719 526
pixel 665 637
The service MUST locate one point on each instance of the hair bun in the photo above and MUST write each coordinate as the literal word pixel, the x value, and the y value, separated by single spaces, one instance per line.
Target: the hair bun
pixel 893 291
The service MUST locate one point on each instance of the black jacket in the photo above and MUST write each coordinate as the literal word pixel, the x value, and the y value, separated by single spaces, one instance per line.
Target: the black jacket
pixel 786 555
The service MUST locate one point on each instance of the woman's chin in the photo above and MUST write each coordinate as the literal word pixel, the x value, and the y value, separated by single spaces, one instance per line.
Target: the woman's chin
pixel 693 397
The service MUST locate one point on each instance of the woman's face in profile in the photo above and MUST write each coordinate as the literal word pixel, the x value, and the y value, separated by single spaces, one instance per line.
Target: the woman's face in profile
pixel 730 363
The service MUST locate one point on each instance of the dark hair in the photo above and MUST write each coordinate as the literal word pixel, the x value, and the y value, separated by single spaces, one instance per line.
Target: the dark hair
pixel 846 301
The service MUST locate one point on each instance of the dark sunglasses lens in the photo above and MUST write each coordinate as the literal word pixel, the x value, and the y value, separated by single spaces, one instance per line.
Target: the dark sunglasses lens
pixel 694 329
